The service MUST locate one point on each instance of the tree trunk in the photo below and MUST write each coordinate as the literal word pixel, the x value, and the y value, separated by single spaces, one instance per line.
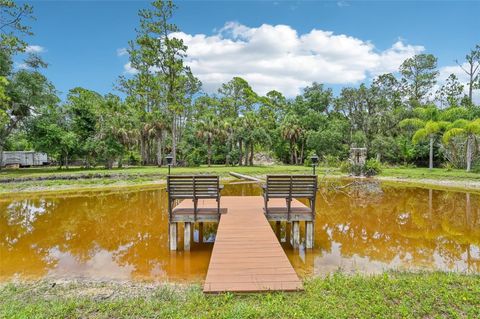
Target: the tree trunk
pixel 251 154
pixel 209 152
pixel 109 163
pixel 302 153
pixel 1 156
pixel 469 153
pixel 430 161
pixel 229 148
pixel 240 156
pixel 66 161
pixel 291 153
pixel 470 86
pixel 246 154
pixel 174 140
pixel 142 150
pixel 159 150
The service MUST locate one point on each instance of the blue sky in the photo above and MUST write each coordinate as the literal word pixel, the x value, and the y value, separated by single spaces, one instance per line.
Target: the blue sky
pixel 80 39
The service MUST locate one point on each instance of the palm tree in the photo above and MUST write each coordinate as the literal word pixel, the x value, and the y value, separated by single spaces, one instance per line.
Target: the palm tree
pixel 425 130
pixel 465 129
pixel 291 131
pixel 208 130
pixel 229 131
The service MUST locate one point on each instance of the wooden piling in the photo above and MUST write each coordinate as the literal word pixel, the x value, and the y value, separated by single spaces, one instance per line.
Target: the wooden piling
pixel 296 234
pixel 172 238
pixel 309 231
pixel 187 229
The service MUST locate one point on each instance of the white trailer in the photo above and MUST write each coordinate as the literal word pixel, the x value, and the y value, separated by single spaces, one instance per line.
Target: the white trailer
pixel 24 158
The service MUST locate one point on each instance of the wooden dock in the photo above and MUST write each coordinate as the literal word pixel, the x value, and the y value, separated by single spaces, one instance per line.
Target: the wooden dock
pixel 247 256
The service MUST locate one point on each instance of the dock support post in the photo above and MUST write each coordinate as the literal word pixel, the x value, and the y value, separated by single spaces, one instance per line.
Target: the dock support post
pixel 187 229
pixel 200 232
pixel 309 234
pixel 278 229
pixel 288 233
pixel 296 234
pixel 172 238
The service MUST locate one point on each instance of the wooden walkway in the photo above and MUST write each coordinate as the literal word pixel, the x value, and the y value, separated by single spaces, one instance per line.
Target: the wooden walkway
pixel 247 256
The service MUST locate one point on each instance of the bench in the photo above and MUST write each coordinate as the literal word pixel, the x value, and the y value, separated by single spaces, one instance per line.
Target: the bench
pixel 197 188
pixel 290 187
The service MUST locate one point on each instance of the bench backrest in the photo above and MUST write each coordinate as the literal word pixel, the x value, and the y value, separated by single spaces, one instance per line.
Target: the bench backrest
pixel 193 186
pixel 291 186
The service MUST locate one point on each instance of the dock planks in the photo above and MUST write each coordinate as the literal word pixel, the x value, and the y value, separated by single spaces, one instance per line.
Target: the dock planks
pixel 247 256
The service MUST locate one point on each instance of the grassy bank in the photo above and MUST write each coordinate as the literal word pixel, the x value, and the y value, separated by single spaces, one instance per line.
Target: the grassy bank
pixel 434 174
pixel 41 179
pixel 52 179
pixel 391 295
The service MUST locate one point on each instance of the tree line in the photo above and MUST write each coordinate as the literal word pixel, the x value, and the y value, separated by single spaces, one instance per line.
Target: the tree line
pixel 401 118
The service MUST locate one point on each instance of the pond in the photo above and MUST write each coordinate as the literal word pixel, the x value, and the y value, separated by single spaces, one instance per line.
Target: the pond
pixel 123 235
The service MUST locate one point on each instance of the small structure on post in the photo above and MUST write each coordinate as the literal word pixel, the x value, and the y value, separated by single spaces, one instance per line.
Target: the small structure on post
pixel 358 158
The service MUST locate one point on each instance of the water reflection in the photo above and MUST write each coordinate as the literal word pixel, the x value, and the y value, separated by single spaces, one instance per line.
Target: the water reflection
pixel 124 235
pixel 121 236
pixel 371 229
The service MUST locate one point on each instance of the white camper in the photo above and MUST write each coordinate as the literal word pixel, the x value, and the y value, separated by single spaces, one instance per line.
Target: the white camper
pixel 24 158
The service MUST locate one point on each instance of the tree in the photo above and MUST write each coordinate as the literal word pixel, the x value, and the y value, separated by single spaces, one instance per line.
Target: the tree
pixel 291 131
pixel 82 108
pixel 23 91
pixel 450 93
pixel 419 76
pixel 472 68
pixel 425 130
pixel 50 132
pixel 208 129
pixel 163 82
pixel 464 129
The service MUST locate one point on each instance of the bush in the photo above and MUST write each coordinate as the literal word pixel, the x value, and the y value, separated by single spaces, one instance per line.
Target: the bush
pixel 133 158
pixel 373 167
pixel 331 161
pixel 345 167
pixel 194 158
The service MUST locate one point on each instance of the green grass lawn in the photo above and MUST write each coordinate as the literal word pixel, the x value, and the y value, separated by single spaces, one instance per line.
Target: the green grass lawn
pixel 436 173
pixel 149 170
pixel 390 295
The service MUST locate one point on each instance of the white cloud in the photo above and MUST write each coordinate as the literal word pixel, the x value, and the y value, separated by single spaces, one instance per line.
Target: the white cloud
pixel 129 69
pixel 277 57
pixel 122 52
pixel 34 49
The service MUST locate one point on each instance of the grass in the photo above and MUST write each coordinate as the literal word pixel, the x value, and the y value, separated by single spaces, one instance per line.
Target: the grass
pixel 33 179
pixel 29 179
pixel 390 295
pixel 434 174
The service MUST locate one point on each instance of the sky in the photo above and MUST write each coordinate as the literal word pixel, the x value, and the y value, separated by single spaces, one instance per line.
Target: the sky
pixel 282 45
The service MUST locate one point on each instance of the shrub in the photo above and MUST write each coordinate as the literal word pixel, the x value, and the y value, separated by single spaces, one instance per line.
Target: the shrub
pixel 345 167
pixel 331 161
pixel 194 158
pixel 372 167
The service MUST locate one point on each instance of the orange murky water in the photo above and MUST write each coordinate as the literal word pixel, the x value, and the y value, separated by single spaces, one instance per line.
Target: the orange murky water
pixel 124 235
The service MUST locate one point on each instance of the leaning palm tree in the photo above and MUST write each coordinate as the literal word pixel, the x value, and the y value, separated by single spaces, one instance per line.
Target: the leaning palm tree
pixel 469 130
pixel 425 130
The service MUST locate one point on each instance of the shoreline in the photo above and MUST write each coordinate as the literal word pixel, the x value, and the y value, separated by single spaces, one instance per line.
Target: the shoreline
pixel 124 184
